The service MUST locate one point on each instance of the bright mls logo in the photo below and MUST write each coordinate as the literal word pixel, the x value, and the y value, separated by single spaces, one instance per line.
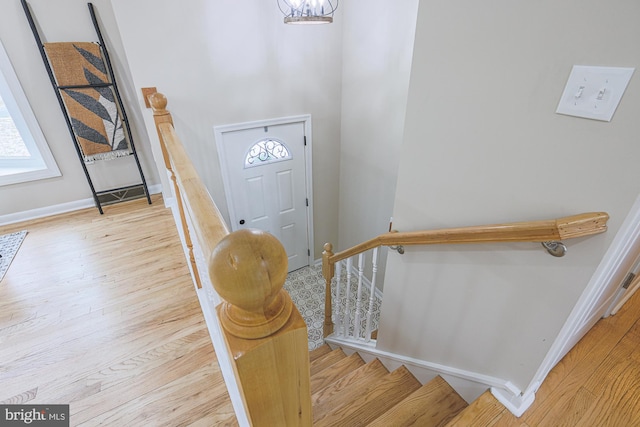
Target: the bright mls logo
pixel 34 415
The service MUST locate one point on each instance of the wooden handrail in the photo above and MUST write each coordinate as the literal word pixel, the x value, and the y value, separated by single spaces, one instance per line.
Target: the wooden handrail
pixel 195 197
pixel 569 227
pixel 163 120
pixel 263 333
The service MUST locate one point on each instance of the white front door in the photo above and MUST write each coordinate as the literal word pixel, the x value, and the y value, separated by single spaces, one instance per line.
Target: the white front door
pixel 265 176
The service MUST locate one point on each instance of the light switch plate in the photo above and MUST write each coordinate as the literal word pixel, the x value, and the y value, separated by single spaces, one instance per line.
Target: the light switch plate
pixel 594 92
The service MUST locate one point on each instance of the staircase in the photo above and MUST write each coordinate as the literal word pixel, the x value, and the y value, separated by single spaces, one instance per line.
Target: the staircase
pixel 260 339
pixel 346 391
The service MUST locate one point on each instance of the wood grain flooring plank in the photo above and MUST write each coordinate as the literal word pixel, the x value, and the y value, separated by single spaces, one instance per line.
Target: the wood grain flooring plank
pixel 21 398
pixel 484 411
pixel 325 378
pixel 210 398
pixel 616 363
pixel 434 405
pixel 82 337
pixel 347 388
pixel 572 410
pixel 326 360
pixel 320 351
pixel 223 417
pixel 131 370
pixel 167 402
pixel 80 356
pixel 580 363
pixel 136 305
pixel 99 311
pixel 507 419
pixel 109 399
pixel 361 408
pixel 618 403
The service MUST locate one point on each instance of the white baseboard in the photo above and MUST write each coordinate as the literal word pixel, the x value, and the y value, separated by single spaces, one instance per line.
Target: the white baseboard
pixel 58 209
pixel 46 211
pixel 516 404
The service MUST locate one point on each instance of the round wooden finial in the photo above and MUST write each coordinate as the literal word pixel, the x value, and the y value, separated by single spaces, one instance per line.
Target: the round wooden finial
pixel 248 269
pixel 328 247
pixel 158 101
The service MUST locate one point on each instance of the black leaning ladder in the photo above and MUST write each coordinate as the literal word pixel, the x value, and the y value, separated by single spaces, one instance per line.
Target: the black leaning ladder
pixel 118 193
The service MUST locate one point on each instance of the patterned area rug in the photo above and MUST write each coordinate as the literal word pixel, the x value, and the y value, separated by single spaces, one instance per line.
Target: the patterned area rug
pixel 9 245
pixel 306 288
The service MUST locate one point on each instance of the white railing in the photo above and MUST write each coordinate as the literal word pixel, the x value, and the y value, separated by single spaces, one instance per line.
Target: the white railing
pixel 356 296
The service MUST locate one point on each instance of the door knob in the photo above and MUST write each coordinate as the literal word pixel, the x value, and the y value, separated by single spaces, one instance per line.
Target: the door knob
pixel 242 222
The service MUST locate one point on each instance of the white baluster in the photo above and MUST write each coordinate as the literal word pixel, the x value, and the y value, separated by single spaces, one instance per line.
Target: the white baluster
pixel 347 318
pixel 356 325
pixel 337 310
pixel 372 294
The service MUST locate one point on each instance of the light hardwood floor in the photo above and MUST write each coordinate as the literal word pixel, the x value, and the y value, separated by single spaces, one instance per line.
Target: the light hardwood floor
pixel 100 312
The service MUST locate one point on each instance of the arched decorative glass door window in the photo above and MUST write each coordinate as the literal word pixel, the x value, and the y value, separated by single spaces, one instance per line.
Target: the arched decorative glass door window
pixel 265 151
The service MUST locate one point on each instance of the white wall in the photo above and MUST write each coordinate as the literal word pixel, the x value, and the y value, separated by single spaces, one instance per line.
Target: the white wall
pixel 377 50
pixel 229 62
pixel 67 20
pixel 483 145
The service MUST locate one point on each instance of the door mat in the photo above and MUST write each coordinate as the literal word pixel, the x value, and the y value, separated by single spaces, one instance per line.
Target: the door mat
pixel 9 245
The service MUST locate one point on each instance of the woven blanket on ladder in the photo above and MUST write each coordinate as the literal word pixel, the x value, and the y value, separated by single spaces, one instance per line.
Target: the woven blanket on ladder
pixel 89 98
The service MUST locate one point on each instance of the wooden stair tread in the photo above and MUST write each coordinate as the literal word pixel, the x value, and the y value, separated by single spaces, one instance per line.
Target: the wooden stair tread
pixel 480 412
pixel 352 384
pixel 433 404
pixel 320 351
pixel 326 360
pixel 361 408
pixel 336 371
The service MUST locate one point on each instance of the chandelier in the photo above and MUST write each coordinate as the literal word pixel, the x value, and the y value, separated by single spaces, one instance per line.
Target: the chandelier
pixel 308 11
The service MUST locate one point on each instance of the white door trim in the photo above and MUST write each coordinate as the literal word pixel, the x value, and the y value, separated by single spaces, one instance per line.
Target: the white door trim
pixel 306 120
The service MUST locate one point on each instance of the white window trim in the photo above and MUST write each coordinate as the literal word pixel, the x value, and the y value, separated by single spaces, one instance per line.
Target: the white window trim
pixel 16 101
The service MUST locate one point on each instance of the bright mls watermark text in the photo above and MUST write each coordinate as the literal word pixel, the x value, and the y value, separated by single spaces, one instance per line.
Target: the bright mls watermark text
pixel 34 415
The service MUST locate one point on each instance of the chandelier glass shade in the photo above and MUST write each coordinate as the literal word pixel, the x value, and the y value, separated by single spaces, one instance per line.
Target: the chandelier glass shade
pixel 308 11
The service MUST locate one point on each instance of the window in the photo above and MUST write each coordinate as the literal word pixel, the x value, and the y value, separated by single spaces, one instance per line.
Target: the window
pixel 24 154
pixel 266 151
